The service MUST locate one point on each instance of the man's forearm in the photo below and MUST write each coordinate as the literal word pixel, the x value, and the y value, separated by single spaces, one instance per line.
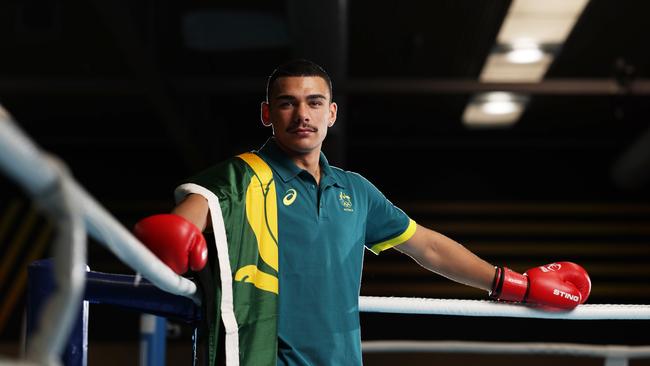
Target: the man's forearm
pixel 194 208
pixel 443 255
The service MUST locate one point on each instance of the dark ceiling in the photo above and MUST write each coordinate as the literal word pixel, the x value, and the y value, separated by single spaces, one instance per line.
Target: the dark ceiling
pixel 137 95
pixel 141 94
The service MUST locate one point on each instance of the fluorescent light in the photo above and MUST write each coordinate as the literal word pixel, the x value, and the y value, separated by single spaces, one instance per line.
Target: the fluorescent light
pixel 475 117
pixel 501 107
pixel 498 103
pixel 496 97
pixel 547 21
pixel 525 55
pixel 494 110
pixel 549 8
pixel 498 68
pixel 518 57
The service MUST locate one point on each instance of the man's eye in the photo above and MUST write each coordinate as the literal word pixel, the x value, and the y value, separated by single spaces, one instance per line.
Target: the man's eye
pixel 316 103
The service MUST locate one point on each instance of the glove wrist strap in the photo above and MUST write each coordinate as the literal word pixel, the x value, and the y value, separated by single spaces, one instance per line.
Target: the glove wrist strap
pixel 515 286
pixel 497 283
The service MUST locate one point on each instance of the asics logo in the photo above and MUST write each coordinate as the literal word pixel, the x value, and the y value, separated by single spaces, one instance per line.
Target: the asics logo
pixel 290 197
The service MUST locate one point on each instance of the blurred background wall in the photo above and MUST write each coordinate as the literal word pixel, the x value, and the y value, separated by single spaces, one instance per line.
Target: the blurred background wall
pixel 519 128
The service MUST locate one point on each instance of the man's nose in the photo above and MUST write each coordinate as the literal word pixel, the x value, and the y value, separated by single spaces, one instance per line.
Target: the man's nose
pixel 302 112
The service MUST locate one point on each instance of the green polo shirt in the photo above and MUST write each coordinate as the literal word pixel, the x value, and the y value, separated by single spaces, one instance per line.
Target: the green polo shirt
pixel 322 232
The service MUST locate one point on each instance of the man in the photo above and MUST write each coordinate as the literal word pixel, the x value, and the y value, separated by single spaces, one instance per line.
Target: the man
pixel 290 234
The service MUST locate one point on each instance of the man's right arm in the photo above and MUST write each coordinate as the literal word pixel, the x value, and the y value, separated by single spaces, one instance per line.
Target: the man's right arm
pixel 176 238
pixel 194 208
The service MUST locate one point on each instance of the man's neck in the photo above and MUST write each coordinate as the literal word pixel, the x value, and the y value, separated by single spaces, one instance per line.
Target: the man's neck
pixel 309 162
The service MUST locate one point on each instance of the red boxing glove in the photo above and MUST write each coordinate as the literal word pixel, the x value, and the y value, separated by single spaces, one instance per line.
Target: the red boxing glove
pixel 174 240
pixel 562 285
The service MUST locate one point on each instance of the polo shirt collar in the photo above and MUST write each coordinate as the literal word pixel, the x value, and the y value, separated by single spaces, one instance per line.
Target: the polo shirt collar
pixel 287 169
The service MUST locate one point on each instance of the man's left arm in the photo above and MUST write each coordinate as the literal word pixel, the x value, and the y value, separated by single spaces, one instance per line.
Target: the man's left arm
pixel 562 285
pixel 448 258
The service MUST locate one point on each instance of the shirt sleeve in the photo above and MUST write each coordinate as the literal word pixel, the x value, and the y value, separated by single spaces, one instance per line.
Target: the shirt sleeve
pixel 218 179
pixel 386 224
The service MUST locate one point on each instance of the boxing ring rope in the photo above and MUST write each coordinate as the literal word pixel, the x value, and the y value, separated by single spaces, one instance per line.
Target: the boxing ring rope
pixel 614 355
pixel 48 182
pixel 69 270
pixel 23 161
pixel 76 211
pixel 570 349
pixel 409 305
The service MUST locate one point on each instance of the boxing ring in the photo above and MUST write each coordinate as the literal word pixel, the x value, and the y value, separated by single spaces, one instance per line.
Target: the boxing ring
pixel 62 288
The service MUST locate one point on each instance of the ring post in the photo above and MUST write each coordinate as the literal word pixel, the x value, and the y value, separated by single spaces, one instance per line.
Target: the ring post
pixel 153 330
pixel 40 286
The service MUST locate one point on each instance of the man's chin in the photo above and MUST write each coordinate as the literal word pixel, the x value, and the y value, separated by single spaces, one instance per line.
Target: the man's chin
pixel 300 146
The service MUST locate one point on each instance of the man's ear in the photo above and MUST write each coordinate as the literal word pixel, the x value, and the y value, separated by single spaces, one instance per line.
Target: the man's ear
pixel 333 111
pixel 265 114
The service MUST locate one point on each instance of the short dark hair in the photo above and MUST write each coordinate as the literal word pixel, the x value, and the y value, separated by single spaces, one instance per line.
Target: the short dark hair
pixel 298 67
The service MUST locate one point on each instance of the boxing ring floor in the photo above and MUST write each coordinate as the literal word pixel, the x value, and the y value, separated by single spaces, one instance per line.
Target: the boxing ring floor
pixel 77 215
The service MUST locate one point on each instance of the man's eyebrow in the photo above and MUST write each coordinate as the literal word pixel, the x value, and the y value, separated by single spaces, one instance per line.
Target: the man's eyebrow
pixel 316 96
pixel 291 97
pixel 284 97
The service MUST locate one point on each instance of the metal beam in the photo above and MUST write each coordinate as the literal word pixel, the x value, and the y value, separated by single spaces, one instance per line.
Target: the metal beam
pixel 462 86
pixel 225 85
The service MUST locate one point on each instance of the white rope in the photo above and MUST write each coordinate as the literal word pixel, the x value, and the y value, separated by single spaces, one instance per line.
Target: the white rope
pixel 23 161
pixel 57 318
pixel 413 305
pixel 570 349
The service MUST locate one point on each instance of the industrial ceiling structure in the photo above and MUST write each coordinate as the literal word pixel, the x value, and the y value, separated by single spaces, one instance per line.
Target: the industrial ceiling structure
pixel 137 95
pixel 178 86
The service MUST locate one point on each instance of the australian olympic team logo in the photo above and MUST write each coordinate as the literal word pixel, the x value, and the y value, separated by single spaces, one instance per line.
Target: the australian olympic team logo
pixel 346 202
pixel 290 197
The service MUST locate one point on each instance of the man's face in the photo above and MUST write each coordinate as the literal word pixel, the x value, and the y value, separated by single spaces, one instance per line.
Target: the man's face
pixel 300 112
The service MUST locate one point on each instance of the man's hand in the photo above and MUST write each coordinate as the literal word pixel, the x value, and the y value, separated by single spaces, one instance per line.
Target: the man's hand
pixel 562 285
pixel 175 240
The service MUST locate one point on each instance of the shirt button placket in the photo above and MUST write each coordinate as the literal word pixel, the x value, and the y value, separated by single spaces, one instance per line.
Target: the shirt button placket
pixel 321 203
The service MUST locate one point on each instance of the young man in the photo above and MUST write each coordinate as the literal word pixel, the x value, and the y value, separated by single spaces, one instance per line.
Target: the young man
pixel 290 233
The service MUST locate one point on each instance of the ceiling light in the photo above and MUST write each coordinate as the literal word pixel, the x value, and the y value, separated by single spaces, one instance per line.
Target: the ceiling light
pixel 498 96
pixel 494 110
pixel 497 103
pixel 519 58
pixel 525 55
pixel 502 107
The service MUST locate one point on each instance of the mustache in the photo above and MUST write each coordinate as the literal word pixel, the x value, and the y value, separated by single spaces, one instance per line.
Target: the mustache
pixel 297 126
